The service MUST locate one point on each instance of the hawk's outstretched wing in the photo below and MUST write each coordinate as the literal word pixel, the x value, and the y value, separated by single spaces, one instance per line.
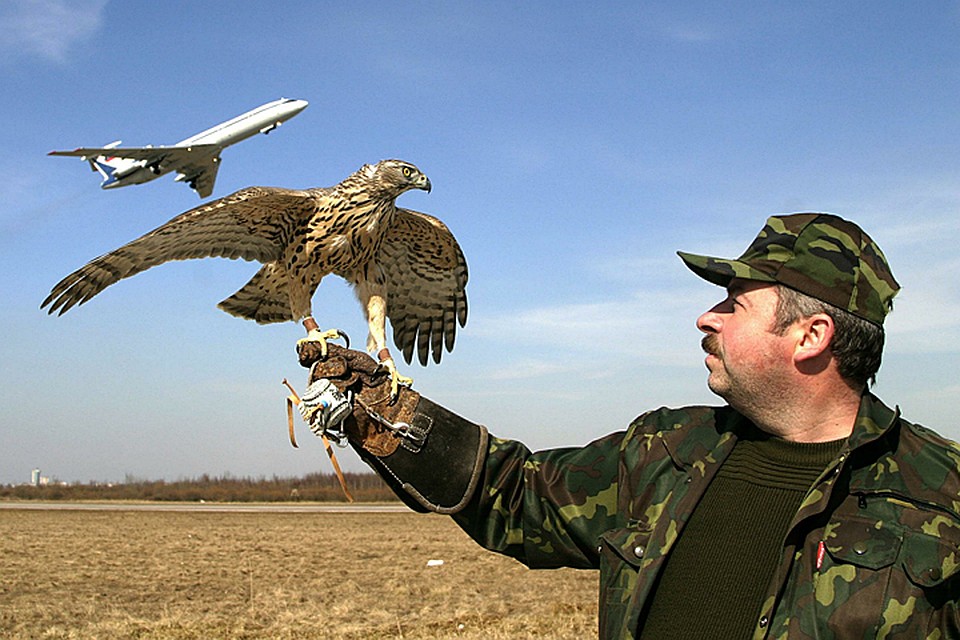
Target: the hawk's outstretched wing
pixel 253 224
pixel 426 277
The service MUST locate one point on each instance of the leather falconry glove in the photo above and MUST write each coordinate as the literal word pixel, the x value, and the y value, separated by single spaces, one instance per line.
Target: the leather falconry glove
pixel 430 457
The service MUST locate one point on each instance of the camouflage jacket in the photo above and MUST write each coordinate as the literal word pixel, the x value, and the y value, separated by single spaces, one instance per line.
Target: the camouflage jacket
pixel 873 551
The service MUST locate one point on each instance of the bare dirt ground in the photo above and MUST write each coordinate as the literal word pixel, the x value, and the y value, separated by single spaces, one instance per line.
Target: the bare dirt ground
pixel 150 575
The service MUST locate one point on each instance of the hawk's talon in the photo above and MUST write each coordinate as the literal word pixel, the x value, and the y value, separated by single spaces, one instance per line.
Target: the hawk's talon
pixel 346 338
pixel 396 379
pixel 315 335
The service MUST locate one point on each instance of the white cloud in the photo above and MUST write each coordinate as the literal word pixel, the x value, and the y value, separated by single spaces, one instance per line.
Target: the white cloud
pixel 926 314
pixel 528 368
pixel 653 327
pixel 48 28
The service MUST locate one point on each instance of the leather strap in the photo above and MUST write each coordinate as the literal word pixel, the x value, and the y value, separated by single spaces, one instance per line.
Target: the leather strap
pixel 294 399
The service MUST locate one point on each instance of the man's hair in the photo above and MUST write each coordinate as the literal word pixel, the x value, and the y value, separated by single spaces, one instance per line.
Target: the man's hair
pixel 857 344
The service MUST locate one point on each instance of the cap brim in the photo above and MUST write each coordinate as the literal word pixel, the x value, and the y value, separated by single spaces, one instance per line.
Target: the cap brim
pixel 720 271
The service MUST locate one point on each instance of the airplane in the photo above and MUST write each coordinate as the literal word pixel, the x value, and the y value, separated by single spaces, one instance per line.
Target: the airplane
pixel 195 159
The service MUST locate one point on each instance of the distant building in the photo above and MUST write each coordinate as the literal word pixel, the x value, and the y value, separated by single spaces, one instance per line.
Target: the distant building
pixel 37 480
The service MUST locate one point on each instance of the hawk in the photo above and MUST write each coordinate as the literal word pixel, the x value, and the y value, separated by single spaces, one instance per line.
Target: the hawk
pixel 402 264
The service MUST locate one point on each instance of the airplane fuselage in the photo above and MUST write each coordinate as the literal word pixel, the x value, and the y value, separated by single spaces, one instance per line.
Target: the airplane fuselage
pixel 263 119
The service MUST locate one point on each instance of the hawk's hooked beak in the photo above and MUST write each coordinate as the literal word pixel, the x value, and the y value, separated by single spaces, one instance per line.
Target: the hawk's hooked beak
pixel 423 182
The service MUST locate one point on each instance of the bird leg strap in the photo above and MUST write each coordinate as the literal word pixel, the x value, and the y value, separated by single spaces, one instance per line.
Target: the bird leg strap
pixel 429 456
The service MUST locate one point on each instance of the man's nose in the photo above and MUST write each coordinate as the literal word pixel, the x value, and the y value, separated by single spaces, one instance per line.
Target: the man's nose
pixel 710 321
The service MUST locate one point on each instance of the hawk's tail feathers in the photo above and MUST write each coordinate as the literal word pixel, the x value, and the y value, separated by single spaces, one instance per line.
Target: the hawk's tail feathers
pixel 263 299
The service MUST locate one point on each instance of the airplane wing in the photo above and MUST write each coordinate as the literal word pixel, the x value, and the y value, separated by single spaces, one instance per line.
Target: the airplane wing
pixel 196 164
pixel 174 156
pixel 200 175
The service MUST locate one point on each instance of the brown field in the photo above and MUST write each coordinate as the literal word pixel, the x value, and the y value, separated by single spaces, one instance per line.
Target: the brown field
pixel 135 574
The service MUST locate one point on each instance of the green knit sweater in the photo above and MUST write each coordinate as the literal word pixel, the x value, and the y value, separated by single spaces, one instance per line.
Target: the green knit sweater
pixel 715 579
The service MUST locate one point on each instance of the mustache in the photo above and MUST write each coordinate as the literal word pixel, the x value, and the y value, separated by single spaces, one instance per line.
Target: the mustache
pixel 711 344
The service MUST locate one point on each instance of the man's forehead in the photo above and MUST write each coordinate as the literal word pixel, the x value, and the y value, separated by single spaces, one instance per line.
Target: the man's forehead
pixel 742 285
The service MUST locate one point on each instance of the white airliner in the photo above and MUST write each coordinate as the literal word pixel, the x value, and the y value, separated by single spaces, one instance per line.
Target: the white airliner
pixel 195 159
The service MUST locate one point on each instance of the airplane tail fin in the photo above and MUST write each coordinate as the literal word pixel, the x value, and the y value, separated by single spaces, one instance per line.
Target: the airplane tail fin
pixel 103 168
pixel 105 165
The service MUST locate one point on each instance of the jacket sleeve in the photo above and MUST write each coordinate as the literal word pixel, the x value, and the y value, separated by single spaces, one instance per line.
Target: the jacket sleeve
pixel 546 509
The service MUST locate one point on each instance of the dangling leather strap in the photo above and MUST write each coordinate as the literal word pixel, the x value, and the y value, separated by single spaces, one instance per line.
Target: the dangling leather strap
pixel 294 399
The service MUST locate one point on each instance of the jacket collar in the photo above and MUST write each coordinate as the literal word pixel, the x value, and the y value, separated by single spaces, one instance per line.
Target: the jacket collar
pixel 716 432
pixel 707 439
pixel 874 419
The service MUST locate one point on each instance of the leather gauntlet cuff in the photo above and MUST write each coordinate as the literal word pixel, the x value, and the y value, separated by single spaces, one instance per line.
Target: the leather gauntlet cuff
pixel 439 470
pixel 429 456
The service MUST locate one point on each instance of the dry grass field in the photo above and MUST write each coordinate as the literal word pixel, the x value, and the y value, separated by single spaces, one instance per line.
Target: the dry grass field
pixel 152 575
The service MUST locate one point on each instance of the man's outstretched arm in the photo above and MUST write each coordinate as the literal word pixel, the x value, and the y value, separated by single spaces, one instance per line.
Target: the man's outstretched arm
pixel 546 509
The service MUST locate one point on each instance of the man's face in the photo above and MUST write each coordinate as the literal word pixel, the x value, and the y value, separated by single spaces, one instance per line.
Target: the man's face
pixel 747 361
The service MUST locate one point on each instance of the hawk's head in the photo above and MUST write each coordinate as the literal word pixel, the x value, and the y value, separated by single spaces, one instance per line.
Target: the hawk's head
pixel 397 176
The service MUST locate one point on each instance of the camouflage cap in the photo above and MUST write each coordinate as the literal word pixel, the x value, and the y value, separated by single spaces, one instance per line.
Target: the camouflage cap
pixel 821 255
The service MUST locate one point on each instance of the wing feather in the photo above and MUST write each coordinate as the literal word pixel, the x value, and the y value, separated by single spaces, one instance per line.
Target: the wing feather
pixel 253 224
pixel 426 279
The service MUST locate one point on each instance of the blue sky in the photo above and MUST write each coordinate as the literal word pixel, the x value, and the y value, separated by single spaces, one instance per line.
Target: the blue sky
pixel 572 149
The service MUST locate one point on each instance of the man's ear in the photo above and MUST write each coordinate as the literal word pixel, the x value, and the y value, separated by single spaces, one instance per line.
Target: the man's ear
pixel 816 334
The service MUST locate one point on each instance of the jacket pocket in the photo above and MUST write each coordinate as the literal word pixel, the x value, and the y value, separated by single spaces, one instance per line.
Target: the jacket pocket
pixel 924 586
pixel 621 554
pixel 930 561
pixel 865 543
pixel 850 587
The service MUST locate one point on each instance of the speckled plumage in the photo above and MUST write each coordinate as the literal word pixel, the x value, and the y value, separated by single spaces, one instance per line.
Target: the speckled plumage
pixel 403 264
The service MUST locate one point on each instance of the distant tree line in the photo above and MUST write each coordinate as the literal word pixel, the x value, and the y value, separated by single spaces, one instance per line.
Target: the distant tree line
pixel 315 487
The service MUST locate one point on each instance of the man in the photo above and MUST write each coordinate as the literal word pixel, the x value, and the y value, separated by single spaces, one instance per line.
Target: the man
pixel 803 508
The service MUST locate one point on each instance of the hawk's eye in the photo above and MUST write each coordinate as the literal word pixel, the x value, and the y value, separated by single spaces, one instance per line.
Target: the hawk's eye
pixel 406 172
